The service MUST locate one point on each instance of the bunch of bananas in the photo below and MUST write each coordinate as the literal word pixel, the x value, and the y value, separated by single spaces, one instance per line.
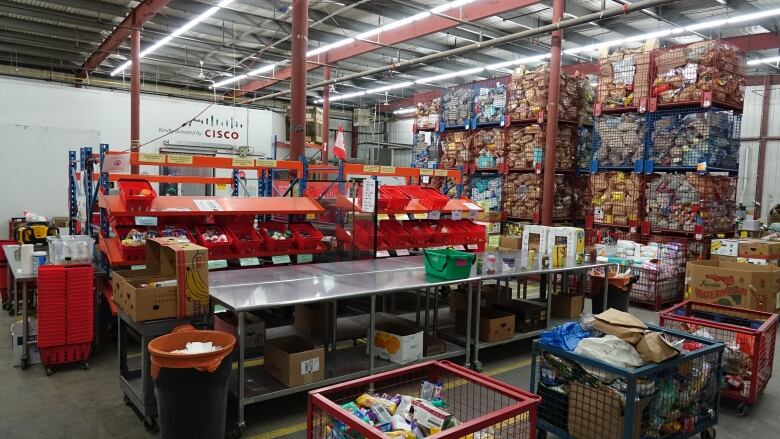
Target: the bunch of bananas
pixel 197 289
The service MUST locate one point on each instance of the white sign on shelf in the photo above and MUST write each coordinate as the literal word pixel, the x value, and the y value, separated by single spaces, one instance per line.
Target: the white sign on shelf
pixel 146 221
pixel 471 206
pixel 459 247
pixel 434 215
pixel 249 262
pixel 457 214
pixel 208 205
pixel 382 254
pixel 472 246
pixel 402 252
pixel 281 259
pixel 369 195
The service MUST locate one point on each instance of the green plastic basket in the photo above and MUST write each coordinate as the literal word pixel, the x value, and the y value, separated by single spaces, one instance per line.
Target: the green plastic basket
pixel 448 264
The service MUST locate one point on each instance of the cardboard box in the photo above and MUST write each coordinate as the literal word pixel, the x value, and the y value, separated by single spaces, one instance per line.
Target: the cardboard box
pixel 529 316
pixel 294 360
pixel 511 242
pixel 167 259
pixel 535 238
pixel 312 319
pixel 254 327
pixel 494 325
pixel 759 249
pixel 735 284
pixel 573 238
pixel 597 413
pixel 724 247
pixel 33 354
pixel 398 343
pixel 489 295
pixel 432 345
pixel 568 307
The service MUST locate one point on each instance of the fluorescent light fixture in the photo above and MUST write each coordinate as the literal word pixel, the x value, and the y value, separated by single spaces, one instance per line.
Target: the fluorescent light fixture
pixel 705 25
pixel 755 62
pixel 449 75
pixel 514 62
pixel 347 96
pixel 328 47
pixel 228 81
pixel 451 5
pixel 265 68
pixel 165 40
pixel 753 16
pixel 390 87
pixel 405 110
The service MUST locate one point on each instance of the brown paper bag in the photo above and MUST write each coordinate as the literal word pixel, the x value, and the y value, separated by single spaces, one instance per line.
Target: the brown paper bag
pixel 620 324
pixel 653 348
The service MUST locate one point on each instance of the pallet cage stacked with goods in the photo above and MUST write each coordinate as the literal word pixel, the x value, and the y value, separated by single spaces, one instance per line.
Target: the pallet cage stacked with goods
pixel 618 142
pixel 425 152
pixel 623 80
pixel 456 106
pixel 526 143
pixel 428 113
pixel 616 200
pixel 455 149
pixel 489 102
pixel 523 197
pixel 528 96
pixel 488 148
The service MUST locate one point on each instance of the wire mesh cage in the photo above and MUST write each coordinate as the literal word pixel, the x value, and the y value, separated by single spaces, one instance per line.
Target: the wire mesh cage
pixel 455 149
pixel 488 147
pixel 705 73
pixel 749 337
pixel 695 139
pixel 623 79
pixel 487 189
pixel 456 106
pixel 587 93
pixel 586 398
pixel 581 197
pixel 523 197
pixel 617 198
pixel 691 203
pixel 619 142
pixel 489 103
pixel 425 149
pixel 584 148
pixel 428 110
pixel 482 407
pixel 528 95
pixel 526 144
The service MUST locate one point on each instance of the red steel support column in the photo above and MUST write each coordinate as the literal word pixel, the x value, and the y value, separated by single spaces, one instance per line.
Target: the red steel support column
pixel 762 140
pixel 300 34
pixel 135 93
pixel 548 193
pixel 325 115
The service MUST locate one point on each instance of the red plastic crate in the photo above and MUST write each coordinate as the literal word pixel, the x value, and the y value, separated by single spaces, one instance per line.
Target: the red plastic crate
pixel 753 333
pixel 475 233
pixel 246 240
pixel 274 245
pixel 71 353
pixel 396 236
pixel 52 301
pixel 364 236
pixel 301 240
pixel 129 252
pixel 479 402
pixel 215 248
pixel 438 234
pixel 457 234
pixel 3 281
pixel 130 194
pixel 430 198
pixel 421 235
pixel 392 198
pixel 174 231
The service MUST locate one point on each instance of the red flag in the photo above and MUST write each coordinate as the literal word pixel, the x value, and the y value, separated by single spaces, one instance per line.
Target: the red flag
pixel 338 146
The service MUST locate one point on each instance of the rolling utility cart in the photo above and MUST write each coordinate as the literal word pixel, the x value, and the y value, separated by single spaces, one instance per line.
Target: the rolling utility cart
pixel 479 403
pixel 750 344
pixel 584 398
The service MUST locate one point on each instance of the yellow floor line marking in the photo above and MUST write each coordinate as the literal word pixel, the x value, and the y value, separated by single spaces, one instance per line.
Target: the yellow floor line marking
pixel 296 428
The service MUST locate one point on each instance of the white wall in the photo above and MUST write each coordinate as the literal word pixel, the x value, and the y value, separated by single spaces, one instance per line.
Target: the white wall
pixel 751 127
pixel 41 121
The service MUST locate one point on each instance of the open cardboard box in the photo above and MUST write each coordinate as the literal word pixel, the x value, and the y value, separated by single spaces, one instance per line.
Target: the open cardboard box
pixel 747 286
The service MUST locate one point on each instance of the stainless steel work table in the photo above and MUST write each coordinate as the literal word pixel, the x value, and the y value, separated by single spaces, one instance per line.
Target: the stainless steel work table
pixel 250 290
pixel 16 277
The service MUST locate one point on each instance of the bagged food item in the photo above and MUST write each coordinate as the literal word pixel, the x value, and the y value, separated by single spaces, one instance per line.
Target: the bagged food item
pixel 624 78
pixel 529 90
pixel 619 140
pixel 489 104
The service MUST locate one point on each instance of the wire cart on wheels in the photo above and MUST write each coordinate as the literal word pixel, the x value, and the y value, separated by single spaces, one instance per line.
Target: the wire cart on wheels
pixel 750 344
pixel 483 406
pixel 584 398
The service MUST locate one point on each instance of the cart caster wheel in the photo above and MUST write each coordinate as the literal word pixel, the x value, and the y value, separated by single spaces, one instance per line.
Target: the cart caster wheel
pixel 150 424
pixel 708 433
pixel 126 400
pixel 478 366
pixel 237 432
pixel 743 409
pixel 11 312
pixel 23 363
pixel 49 371
pixel 85 366
pixel 541 434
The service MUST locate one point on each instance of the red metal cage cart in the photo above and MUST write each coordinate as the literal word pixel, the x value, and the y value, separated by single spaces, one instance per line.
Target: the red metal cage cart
pixel 750 344
pixel 480 403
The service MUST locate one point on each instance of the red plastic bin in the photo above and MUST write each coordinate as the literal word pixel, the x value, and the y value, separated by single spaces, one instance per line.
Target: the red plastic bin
pixel 396 236
pixel 306 237
pixel 274 245
pixel 475 233
pixel 364 236
pixel 441 235
pixel 71 353
pixel 246 240
pixel 131 196
pixel 457 234
pixel 215 248
pixel 430 198
pixel 753 333
pixel 480 403
pixel 421 235
pixel 392 198
pixel 130 252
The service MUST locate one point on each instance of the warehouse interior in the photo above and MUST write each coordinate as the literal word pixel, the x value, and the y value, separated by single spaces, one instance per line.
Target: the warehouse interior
pixel 323 219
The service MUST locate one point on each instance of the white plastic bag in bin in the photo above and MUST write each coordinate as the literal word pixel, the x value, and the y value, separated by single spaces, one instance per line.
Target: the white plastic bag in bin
pixel 611 350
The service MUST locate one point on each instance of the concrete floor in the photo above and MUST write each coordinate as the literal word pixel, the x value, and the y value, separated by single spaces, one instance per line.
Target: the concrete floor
pixel 74 403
